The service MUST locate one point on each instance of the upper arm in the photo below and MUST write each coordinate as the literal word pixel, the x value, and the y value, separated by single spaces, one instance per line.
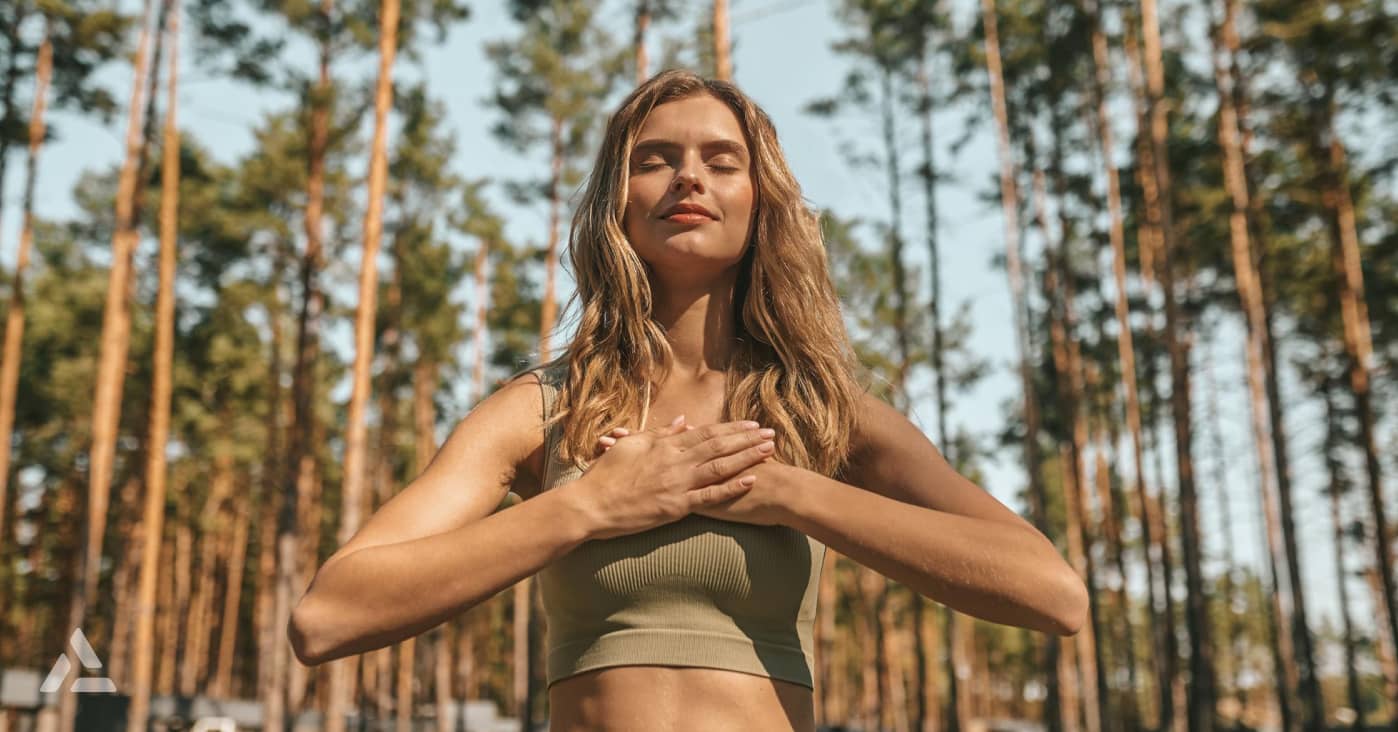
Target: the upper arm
pixel 894 458
pixel 488 451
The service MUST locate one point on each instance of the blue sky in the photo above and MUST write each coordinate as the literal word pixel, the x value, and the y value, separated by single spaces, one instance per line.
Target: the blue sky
pixel 782 59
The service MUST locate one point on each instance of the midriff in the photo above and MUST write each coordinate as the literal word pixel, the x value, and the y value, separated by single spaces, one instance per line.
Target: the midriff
pixel 677 699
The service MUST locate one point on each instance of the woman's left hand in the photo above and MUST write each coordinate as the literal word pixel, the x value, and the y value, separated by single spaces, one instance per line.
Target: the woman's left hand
pixel 761 505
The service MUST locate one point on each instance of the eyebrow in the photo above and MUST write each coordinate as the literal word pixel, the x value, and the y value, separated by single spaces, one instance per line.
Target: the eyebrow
pixel 720 145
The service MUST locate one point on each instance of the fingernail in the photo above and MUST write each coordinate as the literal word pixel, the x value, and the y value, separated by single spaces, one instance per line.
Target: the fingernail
pixel 766 447
pixel 748 480
pixel 677 420
pixel 766 432
pixel 751 425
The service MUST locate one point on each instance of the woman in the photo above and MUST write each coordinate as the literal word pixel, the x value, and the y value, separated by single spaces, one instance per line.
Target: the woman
pixel 678 591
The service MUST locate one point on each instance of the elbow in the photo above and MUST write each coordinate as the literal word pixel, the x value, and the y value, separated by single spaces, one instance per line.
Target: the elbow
pixel 301 632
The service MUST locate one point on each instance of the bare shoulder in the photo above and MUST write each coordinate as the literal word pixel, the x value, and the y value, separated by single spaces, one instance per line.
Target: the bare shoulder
pixel 494 449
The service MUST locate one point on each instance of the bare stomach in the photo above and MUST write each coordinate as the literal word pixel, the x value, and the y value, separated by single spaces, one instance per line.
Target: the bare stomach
pixel 677 699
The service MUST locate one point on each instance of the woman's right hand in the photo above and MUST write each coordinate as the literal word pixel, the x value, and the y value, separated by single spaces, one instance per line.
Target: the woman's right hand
pixel 661 474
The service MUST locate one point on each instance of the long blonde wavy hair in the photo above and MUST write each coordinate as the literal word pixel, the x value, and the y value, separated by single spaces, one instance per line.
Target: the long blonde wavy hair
pixel 792 369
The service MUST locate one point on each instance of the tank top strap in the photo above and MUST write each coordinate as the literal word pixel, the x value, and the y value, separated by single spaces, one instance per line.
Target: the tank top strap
pixel 550 383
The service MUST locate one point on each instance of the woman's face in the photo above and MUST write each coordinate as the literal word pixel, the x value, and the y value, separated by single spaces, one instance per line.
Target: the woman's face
pixel 690 202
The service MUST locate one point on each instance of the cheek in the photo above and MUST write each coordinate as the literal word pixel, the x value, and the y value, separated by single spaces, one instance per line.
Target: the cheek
pixel 741 202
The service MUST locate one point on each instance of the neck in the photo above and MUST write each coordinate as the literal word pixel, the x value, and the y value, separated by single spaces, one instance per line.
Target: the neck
pixel 698 320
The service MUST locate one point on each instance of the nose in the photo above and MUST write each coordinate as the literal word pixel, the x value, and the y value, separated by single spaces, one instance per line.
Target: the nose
pixel 687 178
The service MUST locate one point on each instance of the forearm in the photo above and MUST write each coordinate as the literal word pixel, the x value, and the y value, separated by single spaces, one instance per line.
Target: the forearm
pixel 380 595
pixel 993 570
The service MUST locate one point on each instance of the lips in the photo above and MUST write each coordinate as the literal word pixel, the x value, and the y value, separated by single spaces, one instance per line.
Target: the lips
pixel 687 212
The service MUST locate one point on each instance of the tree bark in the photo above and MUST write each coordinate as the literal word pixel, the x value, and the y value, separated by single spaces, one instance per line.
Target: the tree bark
pixel 1337 527
pixel 153 517
pixel 222 686
pixel 1149 235
pixel 14 316
pixel 1251 302
pixel 285 682
pixel 1329 151
pixel 1234 651
pixel 1009 201
pixel 1200 698
pixel 355 437
pixel 639 40
pixel 111 364
pixel 723 64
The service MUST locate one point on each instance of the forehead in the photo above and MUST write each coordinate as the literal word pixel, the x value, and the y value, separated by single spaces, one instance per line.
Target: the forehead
pixel 696 118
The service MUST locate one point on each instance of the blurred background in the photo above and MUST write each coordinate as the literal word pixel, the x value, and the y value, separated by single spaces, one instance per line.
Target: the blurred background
pixel 1131 265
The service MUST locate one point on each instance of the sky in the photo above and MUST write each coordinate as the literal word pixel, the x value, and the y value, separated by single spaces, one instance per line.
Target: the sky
pixel 782 59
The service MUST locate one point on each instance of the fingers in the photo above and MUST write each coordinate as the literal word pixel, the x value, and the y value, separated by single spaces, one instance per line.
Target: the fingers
pixel 731 443
pixel 725 467
pixel 720 492
pixel 690 438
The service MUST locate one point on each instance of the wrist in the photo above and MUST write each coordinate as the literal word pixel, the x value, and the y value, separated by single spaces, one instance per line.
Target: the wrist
pixel 575 517
pixel 782 484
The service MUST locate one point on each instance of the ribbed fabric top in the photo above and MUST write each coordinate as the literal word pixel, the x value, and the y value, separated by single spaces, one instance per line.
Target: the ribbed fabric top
pixel 694 592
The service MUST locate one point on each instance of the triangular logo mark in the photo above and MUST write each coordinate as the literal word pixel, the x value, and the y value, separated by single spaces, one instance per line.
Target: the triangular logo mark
pixel 90 661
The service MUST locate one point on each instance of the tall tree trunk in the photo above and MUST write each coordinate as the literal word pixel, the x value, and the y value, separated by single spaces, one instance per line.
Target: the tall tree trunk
pixel 1329 151
pixel 125 584
pixel 1053 713
pixel 723 64
pixel 1009 202
pixel 1117 236
pixel 1232 652
pixel 115 340
pixel 14 316
pixel 1384 650
pixel 1336 488
pixel 222 686
pixel 927 710
pixel 352 493
pixel 1149 234
pixel 825 640
pixel 1067 365
pixel 872 658
pixel 170 603
pixel 182 603
pixel 520 607
pixel 13 67
pixel 153 517
pixel 210 527
pixel 1250 297
pixel 638 41
pixel 282 694
pixel 1117 510
pixel 549 312
pixel 271 483
pixel 1201 680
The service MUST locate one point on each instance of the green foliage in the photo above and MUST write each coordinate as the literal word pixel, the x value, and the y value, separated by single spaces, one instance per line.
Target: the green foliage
pixel 558 71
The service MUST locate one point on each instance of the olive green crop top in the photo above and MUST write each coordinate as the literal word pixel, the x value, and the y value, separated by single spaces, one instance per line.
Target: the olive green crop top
pixel 698 591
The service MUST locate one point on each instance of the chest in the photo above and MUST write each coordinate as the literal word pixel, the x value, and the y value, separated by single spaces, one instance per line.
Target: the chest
pixel 701 402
